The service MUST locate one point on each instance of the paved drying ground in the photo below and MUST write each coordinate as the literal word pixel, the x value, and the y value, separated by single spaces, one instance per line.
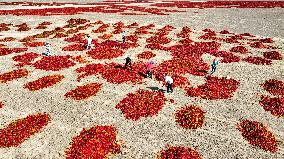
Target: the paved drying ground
pixel 218 138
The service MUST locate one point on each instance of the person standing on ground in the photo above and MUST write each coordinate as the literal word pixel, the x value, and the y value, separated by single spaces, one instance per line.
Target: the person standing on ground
pixel 48 49
pixel 128 62
pixel 149 69
pixel 214 65
pixel 169 82
pixel 89 42
pixel 123 37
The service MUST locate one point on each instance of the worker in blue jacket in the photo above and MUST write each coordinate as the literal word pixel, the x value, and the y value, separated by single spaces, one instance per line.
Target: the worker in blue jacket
pixel 214 65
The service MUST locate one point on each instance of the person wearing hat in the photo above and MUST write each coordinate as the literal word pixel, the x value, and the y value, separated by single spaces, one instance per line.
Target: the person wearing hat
pixel 89 42
pixel 149 69
pixel 128 62
pixel 48 49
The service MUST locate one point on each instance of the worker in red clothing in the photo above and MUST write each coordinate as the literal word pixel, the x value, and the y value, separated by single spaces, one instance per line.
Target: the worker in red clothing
pixel 149 69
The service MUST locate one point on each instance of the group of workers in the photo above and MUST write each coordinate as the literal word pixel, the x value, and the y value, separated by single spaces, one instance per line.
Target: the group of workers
pixel 149 65
pixel 168 79
pixel 88 46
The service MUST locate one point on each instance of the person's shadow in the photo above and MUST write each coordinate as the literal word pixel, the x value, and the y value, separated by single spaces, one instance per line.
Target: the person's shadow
pixel 156 89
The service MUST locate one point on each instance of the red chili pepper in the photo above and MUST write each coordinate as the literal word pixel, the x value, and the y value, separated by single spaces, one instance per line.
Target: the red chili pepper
pixel 84 92
pixel 190 117
pixel 23 27
pixel 9 76
pixel 33 44
pixel 257 60
pixel 7 39
pixel 146 55
pixel 54 63
pixel 274 105
pixel 258 135
pixel 272 55
pixel 97 142
pixel 274 87
pixel 74 47
pixel 215 88
pixel 20 130
pixel 179 152
pixel 141 103
pixel 240 49
pixel 43 82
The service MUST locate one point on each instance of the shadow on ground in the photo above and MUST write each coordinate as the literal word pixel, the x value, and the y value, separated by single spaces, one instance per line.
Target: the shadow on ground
pixel 156 89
